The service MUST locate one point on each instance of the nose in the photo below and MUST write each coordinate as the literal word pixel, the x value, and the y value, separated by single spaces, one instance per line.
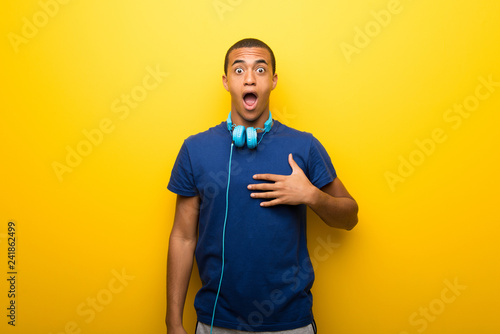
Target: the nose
pixel 249 78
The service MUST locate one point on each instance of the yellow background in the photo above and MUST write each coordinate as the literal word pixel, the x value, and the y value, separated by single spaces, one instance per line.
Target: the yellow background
pixel 112 212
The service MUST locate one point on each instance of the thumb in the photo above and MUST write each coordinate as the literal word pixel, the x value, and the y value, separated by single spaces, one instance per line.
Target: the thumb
pixel 292 163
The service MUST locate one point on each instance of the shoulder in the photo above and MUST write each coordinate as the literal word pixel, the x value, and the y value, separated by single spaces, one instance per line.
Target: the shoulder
pixel 285 130
pixel 219 130
pixel 295 137
pixel 302 138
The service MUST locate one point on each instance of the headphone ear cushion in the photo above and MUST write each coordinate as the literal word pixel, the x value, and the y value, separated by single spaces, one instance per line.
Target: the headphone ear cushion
pixel 251 138
pixel 239 136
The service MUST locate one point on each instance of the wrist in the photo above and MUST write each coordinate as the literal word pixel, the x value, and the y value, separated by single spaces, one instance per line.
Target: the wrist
pixel 312 196
pixel 173 321
pixel 173 327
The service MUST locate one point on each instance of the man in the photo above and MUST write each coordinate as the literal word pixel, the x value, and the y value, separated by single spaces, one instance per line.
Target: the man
pixel 242 211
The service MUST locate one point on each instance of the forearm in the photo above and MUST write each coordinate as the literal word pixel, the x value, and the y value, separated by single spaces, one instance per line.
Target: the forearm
pixel 338 212
pixel 179 267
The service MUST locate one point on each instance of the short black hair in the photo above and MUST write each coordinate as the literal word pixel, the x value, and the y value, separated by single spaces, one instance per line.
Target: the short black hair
pixel 250 43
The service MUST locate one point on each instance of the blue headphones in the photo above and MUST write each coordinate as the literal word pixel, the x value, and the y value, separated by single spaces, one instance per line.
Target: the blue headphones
pixel 250 133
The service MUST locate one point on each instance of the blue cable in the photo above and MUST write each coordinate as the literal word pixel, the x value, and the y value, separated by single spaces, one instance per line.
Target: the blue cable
pixel 223 237
pixel 261 137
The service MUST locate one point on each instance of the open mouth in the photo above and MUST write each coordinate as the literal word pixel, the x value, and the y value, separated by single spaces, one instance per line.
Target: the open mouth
pixel 250 100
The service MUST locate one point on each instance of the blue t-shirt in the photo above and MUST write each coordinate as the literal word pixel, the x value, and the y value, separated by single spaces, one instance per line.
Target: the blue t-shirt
pixel 268 274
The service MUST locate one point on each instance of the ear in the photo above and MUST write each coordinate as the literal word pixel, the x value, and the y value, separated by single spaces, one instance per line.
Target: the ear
pixel 224 82
pixel 275 80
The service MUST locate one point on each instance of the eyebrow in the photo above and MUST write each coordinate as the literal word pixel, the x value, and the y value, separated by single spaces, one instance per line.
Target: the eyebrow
pixel 242 61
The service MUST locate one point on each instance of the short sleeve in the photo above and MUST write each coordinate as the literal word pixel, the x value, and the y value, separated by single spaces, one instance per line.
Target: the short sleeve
pixel 320 167
pixel 182 179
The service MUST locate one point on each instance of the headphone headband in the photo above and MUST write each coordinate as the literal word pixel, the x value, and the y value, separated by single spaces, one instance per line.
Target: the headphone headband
pixel 239 133
pixel 267 124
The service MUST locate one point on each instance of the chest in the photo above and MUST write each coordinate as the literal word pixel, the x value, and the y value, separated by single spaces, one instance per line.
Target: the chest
pixel 212 173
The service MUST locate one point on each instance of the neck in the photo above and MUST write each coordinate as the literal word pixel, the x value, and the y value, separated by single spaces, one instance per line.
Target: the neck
pixel 235 119
pixel 259 122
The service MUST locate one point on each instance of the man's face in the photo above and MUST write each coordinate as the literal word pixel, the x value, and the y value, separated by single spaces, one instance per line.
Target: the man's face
pixel 250 80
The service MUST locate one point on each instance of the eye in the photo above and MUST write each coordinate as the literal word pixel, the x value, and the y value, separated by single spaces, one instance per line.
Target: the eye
pixel 261 70
pixel 239 70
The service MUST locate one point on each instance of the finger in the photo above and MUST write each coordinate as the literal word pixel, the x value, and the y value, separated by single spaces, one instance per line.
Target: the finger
pixel 270 203
pixel 262 186
pixel 268 177
pixel 267 194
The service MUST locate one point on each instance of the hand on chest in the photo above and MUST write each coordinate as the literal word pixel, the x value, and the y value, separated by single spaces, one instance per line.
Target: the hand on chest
pixel 212 175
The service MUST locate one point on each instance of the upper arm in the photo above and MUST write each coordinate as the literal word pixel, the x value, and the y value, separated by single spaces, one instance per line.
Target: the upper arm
pixel 336 189
pixel 186 217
